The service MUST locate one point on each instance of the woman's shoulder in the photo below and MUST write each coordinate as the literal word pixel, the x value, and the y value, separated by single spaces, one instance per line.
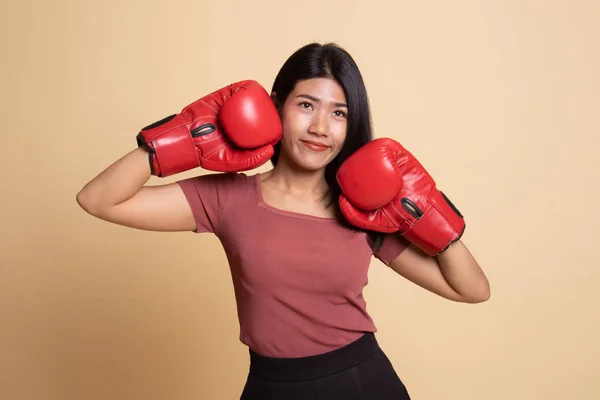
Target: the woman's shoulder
pixel 218 186
pixel 233 179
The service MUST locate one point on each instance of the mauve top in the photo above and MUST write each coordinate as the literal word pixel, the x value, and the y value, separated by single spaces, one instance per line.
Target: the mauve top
pixel 298 279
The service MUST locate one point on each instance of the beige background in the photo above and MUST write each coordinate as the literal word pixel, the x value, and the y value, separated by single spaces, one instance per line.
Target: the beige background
pixel 498 99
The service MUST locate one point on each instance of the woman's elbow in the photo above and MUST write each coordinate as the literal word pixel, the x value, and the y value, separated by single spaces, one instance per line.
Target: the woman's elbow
pixel 86 202
pixel 480 296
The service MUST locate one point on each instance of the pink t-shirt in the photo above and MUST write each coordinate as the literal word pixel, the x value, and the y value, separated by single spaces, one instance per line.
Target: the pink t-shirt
pixel 298 279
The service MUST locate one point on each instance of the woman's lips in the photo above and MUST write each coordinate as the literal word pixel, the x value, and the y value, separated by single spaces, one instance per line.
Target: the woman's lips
pixel 316 146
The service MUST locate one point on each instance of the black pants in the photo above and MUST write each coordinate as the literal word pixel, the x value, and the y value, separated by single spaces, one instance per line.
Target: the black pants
pixel 358 371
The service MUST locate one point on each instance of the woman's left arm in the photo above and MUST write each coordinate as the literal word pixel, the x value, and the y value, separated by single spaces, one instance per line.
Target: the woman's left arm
pixel 453 274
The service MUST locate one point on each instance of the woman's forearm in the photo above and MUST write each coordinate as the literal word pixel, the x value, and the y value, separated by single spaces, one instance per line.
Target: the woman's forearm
pixel 463 273
pixel 117 183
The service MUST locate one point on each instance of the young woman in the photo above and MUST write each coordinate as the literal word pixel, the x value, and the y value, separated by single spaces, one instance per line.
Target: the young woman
pixel 300 237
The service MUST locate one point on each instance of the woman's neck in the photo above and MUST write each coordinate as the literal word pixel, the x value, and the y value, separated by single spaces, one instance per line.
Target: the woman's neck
pixel 297 182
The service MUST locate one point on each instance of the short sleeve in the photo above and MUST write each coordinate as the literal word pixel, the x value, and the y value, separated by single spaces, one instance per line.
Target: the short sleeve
pixel 393 245
pixel 209 196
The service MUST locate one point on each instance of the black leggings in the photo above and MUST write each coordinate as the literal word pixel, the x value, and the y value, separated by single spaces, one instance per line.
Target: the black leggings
pixel 357 371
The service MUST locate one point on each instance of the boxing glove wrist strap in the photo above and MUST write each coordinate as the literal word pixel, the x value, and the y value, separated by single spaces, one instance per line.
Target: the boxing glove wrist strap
pixel 437 227
pixel 171 146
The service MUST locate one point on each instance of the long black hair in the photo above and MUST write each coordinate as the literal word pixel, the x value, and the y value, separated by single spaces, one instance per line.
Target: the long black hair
pixel 331 61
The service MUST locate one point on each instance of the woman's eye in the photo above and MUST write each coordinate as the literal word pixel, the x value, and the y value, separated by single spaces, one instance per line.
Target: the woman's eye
pixel 305 104
pixel 340 113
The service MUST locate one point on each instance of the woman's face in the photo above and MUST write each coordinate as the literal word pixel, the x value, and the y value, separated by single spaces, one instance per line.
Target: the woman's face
pixel 314 118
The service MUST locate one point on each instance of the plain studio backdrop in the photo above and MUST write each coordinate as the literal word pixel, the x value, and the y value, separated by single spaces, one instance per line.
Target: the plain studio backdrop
pixel 499 100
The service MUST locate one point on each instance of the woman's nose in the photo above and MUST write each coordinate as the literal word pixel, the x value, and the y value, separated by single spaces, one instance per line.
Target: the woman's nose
pixel 319 124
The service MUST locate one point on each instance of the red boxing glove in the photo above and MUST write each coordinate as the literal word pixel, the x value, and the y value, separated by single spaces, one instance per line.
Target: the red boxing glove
pixel 232 129
pixel 385 189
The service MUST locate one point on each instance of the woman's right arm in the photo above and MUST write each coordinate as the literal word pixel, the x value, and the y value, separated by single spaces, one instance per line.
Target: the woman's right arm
pixel 118 195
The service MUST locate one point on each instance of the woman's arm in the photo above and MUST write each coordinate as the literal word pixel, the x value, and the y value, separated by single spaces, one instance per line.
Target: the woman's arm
pixel 453 274
pixel 118 195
